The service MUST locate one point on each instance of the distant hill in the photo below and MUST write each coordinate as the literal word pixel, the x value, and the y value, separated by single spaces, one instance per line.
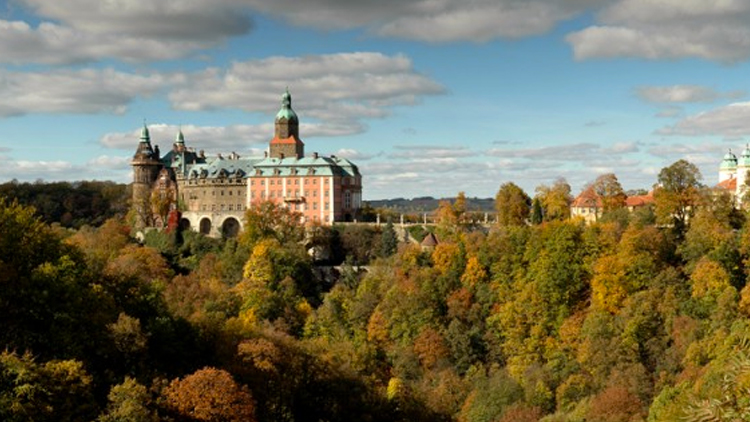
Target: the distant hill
pixel 428 204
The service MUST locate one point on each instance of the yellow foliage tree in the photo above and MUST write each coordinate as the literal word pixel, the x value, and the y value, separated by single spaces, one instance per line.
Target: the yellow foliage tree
pixel 709 278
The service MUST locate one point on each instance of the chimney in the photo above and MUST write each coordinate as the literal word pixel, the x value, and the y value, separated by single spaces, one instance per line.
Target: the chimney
pixel 281 155
pixel 315 155
pixel 265 154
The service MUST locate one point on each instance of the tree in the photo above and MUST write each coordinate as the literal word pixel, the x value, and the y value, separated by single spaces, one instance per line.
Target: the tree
pixel 555 200
pixel 57 390
pixel 210 394
pixel 512 205
pixel 608 188
pixel 266 219
pixel 537 215
pixel 677 194
pixel 129 402
pixel 388 241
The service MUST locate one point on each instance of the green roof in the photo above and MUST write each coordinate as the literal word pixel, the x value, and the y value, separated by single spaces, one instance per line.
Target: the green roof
pixel 286 111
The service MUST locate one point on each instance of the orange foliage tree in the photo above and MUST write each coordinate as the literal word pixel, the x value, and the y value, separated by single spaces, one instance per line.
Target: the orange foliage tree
pixel 212 395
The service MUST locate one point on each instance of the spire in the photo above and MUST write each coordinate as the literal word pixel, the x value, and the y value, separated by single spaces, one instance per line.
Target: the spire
pixel 145 137
pixel 180 138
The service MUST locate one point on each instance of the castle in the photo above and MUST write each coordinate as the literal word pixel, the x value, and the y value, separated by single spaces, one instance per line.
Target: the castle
pixel 212 193
pixel 733 174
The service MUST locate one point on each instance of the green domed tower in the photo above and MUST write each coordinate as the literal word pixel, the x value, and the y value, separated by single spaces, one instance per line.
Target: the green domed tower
pixel 286 142
pixel 146 166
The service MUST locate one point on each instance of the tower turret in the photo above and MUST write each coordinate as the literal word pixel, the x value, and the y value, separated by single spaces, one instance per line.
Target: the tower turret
pixel 179 141
pixel 286 142
pixel 728 167
pixel 146 166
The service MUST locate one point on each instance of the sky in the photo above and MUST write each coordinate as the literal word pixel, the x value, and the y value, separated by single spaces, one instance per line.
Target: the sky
pixel 427 97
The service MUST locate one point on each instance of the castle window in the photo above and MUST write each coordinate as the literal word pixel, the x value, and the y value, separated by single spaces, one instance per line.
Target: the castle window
pixel 271 182
pixel 326 205
pixel 315 205
pixel 231 207
pixel 222 207
pixel 222 192
pixel 296 181
pixel 326 193
pixel 306 181
pixel 239 207
pixel 262 182
pixel 315 181
pixel 203 208
pixel 213 207
pixel 230 192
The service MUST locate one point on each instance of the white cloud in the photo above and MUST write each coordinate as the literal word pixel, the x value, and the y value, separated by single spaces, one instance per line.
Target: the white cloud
pixel 212 139
pixel 54 44
pixel 132 30
pixel 731 121
pixel 667 29
pixel 430 20
pixel 73 91
pixel 339 90
pixel 163 19
pixel 683 94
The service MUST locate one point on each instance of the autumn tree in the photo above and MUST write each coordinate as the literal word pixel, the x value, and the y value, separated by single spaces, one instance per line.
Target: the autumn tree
pixel 129 402
pixel 512 205
pixel 264 220
pixel 678 194
pixel 555 200
pixel 210 394
pixel 56 390
pixel 608 188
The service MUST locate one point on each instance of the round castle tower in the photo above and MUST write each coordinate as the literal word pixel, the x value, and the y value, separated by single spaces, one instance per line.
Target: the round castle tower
pixel 146 166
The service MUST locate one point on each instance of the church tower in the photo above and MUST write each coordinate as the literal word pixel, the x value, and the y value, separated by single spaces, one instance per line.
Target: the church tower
pixel 146 166
pixel 286 142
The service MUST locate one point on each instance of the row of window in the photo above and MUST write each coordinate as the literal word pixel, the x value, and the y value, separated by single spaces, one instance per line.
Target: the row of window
pixel 290 194
pixel 262 182
pixel 223 207
pixel 219 181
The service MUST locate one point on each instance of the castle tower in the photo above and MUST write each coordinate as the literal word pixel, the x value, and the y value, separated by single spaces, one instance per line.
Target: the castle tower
pixel 146 166
pixel 179 142
pixel 286 142
pixel 728 167
pixel 743 167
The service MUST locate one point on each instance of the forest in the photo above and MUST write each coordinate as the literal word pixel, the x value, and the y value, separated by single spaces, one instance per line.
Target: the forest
pixel 639 316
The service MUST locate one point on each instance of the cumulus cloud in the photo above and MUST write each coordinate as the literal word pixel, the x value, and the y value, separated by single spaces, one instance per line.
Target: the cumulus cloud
pixel 683 94
pixel 429 20
pixel 53 44
pixel 133 30
pixel 731 121
pixel 670 29
pixel 73 91
pixel 164 19
pixel 209 138
pixel 341 89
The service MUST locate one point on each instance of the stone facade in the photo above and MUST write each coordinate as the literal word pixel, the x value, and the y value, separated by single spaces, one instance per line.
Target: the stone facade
pixel 213 193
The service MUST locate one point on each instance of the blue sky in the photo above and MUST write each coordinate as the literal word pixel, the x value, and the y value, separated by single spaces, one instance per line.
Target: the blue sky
pixel 428 97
